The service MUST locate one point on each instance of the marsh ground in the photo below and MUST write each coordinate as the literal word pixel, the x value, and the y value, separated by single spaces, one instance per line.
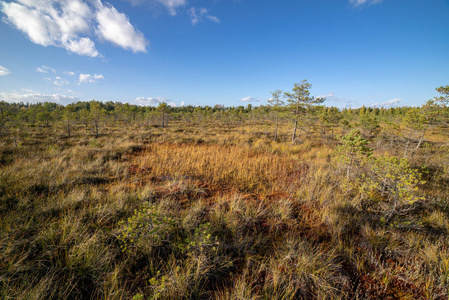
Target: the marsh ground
pixel 210 212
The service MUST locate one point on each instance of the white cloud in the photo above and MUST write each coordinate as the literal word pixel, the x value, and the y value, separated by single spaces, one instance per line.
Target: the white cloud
pixel 197 15
pixel 35 97
pixel 53 23
pixel 153 101
pixel 170 5
pixel 250 99
pixel 193 15
pixel 331 95
pixel 213 19
pixel 386 104
pixel 4 71
pixel 82 46
pixel 115 27
pixel 45 69
pixel 59 81
pixel 87 78
pixel 69 73
pixel 338 101
pixel 362 2
pixel 70 24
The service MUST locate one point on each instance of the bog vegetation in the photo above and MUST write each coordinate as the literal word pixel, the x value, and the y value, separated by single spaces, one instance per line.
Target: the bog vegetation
pixel 293 200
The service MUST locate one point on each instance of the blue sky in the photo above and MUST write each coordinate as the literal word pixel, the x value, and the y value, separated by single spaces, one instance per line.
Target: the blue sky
pixel 231 52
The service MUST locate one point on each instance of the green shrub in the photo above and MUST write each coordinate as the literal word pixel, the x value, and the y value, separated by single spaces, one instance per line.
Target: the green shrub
pixel 389 186
pixel 147 227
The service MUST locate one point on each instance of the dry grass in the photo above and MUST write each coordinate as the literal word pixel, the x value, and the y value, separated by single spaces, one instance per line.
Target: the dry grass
pixel 230 215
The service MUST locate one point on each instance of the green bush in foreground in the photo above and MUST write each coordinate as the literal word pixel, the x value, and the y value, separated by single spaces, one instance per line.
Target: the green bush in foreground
pixel 146 226
pixel 390 186
pixel 387 185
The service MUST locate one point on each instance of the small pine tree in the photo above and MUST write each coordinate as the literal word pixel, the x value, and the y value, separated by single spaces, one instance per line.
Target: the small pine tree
pixel 353 151
pixel 277 105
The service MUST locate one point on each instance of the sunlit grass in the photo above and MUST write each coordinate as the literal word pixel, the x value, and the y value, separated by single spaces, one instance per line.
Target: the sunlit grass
pixel 249 218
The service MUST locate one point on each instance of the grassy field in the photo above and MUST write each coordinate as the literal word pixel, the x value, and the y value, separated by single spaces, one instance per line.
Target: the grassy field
pixel 215 212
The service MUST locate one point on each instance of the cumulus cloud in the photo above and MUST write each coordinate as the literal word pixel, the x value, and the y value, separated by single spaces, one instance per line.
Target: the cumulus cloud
pixel 250 99
pixel 35 97
pixel 87 78
pixel 153 101
pixel 82 46
pixel 53 23
pixel 387 104
pixel 45 69
pixel 4 71
pixel 362 2
pixel 197 14
pixel 71 24
pixel 115 27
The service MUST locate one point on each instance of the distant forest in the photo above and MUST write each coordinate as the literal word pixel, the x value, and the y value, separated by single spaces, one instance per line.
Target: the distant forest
pixel 301 110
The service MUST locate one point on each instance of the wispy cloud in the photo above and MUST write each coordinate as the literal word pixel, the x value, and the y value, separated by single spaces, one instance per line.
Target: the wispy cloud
pixel 363 2
pixel 197 14
pixel 250 99
pixel 171 5
pixel 174 6
pixel 338 101
pixel 72 24
pixel 87 78
pixel 330 96
pixel 153 101
pixel 69 73
pixel 35 97
pixel 45 69
pixel 387 104
pixel 58 81
pixel 4 71
pixel 213 19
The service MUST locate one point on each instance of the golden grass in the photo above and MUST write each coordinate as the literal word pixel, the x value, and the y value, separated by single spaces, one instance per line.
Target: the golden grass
pixel 223 166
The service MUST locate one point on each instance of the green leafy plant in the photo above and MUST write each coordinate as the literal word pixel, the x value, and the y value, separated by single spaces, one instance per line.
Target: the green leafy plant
pixel 147 225
pixel 201 242
pixel 389 186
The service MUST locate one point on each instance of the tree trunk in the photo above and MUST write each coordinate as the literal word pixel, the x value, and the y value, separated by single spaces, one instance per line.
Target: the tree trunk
pixel 421 138
pixel 96 128
pixel 294 131
pixel 407 145
pixel 276 131
pixel 68 130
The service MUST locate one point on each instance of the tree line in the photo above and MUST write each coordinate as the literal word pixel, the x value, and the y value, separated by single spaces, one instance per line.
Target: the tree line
pixel 294 108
